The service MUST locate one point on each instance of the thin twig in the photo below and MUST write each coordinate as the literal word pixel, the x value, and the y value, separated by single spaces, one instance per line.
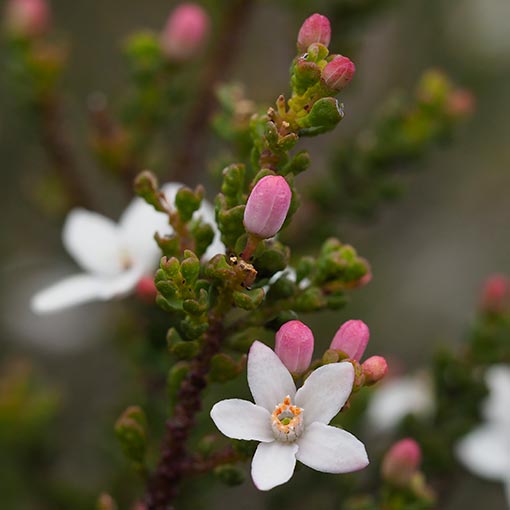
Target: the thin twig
pixel 175 460
pixel 60 153
pixel 190 157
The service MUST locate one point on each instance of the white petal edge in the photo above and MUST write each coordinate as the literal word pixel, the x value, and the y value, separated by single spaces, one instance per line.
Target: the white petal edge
pixel 325 392
pixel 240 419
pixel 206 212
pixel 138 225
pixel 496 407
pixel 82 288
pixel 331 450
pixel 397 398
pixel 273 464
pixel 486 452
pixel 270 382
pixel 93 241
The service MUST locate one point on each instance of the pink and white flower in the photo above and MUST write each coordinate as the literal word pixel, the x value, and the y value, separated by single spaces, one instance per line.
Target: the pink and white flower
pixel 292 425
pixel 114 256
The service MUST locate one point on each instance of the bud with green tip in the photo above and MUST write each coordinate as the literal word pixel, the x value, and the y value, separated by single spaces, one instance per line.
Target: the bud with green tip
pixel 294 346
pixel 248 299
pixel 130 430
pixel 267 206
pixel 324 116
pixel 229 474
pixel 315 29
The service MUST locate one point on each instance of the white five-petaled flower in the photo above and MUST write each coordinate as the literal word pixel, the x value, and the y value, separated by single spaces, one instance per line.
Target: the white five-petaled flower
pixel 114 256
pixel 486 450
pixel 292 425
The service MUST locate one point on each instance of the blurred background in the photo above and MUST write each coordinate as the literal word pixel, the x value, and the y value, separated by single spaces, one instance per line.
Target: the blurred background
pixel 429 251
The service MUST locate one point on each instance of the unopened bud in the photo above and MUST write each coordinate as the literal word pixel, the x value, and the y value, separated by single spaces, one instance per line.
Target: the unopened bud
pixel 29 18
pixel 374 369
pixel 146 289
pixel 401 462
pixel 106 502
pixel 494 293
pixel 294 346
pixel 461 103
pixel 352 339
pixel 338 73
pixel 185 31
pixel 315 29
pixel 267 206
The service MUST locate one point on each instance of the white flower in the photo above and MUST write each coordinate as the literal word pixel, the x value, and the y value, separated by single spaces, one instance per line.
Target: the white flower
pixel 291 425
pixel 486 450
pixel 114 256
pixel 397 398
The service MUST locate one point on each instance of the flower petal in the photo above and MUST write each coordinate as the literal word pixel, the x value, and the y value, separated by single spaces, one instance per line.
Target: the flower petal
pixel 397 398
pixel 331 450
pixel 325 392
pixel 93 241
pixel 273 464
pixel 66 293
pixel 240 419
pixel 496 407
pixel 82 288
pixel 486 452
pixel 138 224
pixel 270 382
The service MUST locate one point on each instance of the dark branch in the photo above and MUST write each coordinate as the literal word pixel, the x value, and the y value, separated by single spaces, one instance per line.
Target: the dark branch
pixel 190 158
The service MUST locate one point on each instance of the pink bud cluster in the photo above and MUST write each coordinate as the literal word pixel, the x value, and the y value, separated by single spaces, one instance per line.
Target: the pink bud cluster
pixel 401 462
pixel 267 206
pixel 495 295
pixel 352 339
pixel 28 18
pixel 294 346
pixel 185 32
pixel 315 29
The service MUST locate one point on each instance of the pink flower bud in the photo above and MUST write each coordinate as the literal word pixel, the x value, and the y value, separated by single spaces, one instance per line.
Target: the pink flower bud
pixel 494 293
pixel 352 338
pixel 374 369
pixel 146 289
pixel 315 29
pixel 27 17
pixel 338 73
pixel 294 346
pixel 185 31
pixel 267 206
pixel 401 462
pixel 461 103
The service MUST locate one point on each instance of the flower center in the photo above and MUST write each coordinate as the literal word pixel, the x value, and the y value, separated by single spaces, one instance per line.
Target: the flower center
pixel 287 421
pixel 125 260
